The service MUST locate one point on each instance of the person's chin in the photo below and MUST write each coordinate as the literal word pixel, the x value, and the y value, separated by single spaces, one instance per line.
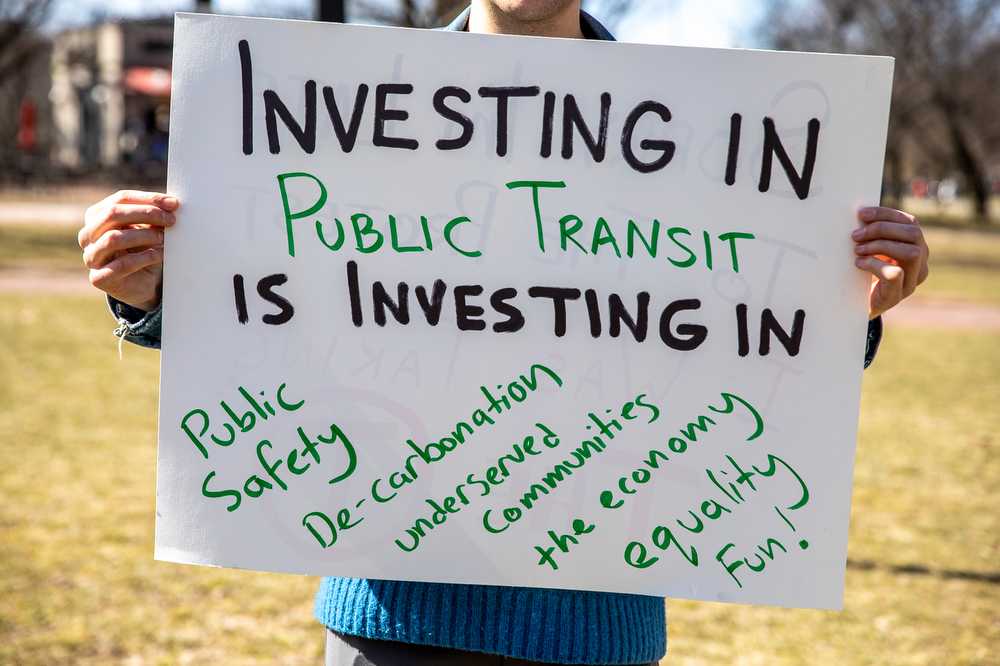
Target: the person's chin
pixel 530 11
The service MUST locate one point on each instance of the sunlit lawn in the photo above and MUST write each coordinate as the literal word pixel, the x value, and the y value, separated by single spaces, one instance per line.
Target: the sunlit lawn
pixel 927 484
pixel 39 247
pixel 965 262
pixel 78 584
pixel 958 213
pixel 965 265
pixel 77 451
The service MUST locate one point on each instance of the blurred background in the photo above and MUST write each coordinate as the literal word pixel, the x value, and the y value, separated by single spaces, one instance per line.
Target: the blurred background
pixel 84 111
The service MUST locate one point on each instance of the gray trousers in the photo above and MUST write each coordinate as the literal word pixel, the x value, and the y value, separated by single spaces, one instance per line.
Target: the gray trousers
pixel 344 650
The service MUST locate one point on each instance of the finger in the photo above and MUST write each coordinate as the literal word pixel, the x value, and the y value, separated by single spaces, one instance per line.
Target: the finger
pixel 910 257
pixel 123 266
pixel 103 250
pixel 120 215
pixel 99 212
pixel 876 213
pixel 888 288
pixel 880 268
pixel 908 233
pixel 159 199
pixel 904 253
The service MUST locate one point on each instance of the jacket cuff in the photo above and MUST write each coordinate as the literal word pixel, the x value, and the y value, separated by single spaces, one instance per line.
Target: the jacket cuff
pixel 873 340
pixel 137 326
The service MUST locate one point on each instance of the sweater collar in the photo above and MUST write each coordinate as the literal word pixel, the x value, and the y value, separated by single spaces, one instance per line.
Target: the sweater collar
pixel 591 27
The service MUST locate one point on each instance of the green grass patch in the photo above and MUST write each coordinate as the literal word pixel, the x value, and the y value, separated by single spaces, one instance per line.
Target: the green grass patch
pixel 39 247
pixel 926 487
pixel 965 265
pixel 78 584
pixel 958 214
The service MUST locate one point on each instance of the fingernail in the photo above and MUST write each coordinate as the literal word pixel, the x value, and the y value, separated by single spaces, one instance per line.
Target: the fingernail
pixel 171 202
pixel 866 212
pixel 857 234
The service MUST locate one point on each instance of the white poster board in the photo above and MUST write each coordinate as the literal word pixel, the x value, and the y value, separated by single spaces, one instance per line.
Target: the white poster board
pixel 514 311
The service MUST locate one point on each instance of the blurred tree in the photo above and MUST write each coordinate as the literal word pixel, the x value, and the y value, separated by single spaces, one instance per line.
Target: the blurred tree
pixel 22 49
pixel 330 10
pixel 19 21
pixel 612 12
pixel 945 93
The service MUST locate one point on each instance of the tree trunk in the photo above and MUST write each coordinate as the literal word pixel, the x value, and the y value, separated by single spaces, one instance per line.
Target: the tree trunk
pixel 893 177
pixel 975 174
pixel 330 10
pixel 966 159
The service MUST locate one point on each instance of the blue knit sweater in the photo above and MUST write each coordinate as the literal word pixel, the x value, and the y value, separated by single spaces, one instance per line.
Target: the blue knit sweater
pixel 560 626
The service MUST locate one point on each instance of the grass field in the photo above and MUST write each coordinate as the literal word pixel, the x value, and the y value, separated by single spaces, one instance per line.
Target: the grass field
pixel 965 265
pixel 965 262
pixel 79 586
pixel 77 451
pixel 954 214
pixel 50 248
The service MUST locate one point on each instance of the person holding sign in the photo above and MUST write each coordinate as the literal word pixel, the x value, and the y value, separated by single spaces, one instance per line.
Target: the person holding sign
pixel 398 622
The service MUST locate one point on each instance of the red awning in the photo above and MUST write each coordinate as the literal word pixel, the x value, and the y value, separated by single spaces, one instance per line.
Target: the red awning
pixel 153 81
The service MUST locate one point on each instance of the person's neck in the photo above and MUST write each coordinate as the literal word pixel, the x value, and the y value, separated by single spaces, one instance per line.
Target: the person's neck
pixel 486 18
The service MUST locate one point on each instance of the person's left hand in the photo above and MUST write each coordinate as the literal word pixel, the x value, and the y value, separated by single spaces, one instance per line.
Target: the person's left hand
pixel 891 247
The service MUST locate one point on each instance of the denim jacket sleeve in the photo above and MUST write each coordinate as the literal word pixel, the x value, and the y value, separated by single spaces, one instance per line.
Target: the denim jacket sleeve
pixel 143 328
pixel 135 325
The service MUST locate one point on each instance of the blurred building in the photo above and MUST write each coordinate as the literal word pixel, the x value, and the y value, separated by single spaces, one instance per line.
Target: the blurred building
pixel 110 97
pixel 95 100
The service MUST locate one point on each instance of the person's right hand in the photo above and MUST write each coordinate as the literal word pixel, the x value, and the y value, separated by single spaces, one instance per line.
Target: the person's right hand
pixel 122 243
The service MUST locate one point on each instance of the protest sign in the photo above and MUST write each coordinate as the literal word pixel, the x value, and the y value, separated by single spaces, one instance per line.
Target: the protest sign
pixel 514 311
